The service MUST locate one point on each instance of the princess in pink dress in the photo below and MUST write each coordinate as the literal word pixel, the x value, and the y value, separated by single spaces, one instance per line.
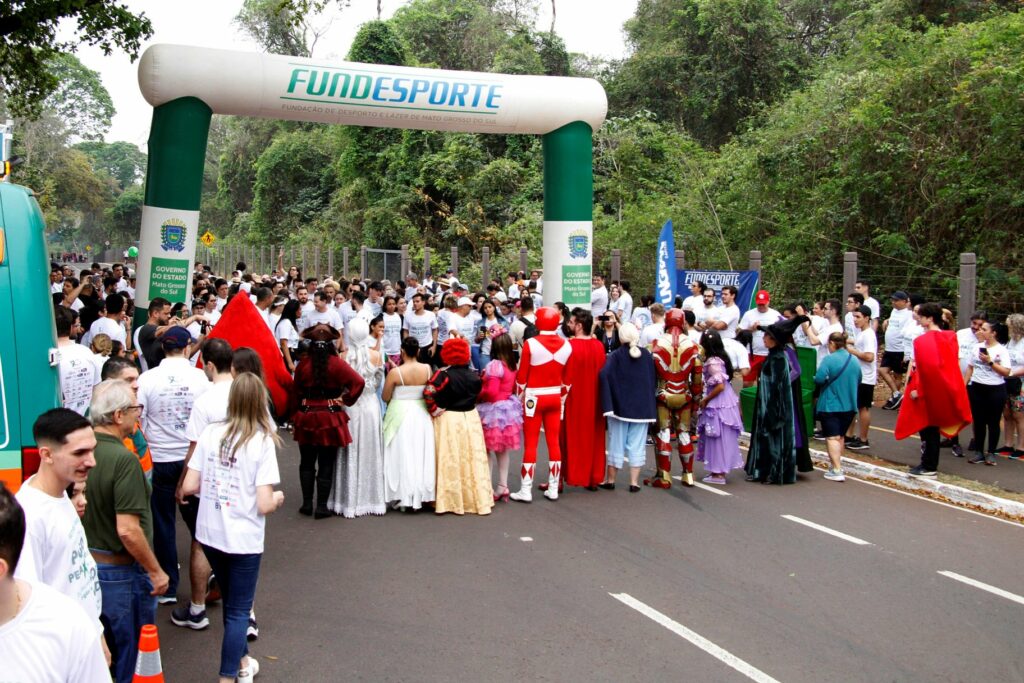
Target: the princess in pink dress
pixel 500 409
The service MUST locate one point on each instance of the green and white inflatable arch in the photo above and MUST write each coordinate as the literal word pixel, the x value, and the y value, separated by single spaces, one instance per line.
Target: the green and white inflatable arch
pixel 187 85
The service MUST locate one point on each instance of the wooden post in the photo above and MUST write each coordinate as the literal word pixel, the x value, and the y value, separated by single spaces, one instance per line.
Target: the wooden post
pixel 330 262
pixel 849 273
pixel 968 289
pixel 362 262
pixel 485 268
pixel 406 265
pixel 616 265
pixel 755 263
pixel 316 260
pixel 523 260
pixel 344 262
pixel 455 261
pixel 305 266
pixel 426 263
pixel 680 259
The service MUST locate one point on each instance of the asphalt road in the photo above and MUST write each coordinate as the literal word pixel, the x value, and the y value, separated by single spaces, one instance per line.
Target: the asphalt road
pixel 529 592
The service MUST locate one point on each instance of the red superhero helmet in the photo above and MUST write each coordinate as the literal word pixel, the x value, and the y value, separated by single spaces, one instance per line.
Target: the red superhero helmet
pixel 674 319
pixel 548 319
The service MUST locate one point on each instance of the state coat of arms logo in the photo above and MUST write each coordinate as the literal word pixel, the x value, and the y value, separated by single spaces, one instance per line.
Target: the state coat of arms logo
pixel 579 244
pixel 173 233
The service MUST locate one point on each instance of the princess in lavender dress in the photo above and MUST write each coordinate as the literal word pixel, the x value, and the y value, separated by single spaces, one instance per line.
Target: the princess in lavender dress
pixel 720 422
pixel 501 412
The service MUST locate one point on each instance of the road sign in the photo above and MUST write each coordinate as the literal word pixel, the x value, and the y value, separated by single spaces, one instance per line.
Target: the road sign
pixel 208 239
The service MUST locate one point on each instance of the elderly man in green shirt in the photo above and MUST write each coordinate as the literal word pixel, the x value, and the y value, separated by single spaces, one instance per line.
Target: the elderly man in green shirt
pixel 119 526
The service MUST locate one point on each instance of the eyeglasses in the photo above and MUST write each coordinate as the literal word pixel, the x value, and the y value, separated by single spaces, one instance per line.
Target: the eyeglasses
pixel 138 407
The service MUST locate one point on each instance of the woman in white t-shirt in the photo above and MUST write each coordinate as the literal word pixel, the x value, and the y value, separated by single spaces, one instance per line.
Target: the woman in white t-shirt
pixel 988 366
pixel 286 333
pixel 1013 414
pixel 392 344
pixel 234 471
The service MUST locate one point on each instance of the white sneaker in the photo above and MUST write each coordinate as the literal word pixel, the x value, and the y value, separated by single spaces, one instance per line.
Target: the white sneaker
pixel 835 475
pixel 249 672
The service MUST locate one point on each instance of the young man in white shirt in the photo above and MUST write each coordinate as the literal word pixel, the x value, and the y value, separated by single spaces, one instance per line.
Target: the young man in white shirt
pixel 865 349
pixel 44 635
pixel 853 302
pixel 893 360
pixel 652 333
pixel 167 394
pixel 863 288
pixel 625 302
pixel 421 325
pixel 598 297
pixel 56 551
pixel 323 312
pixel 695 302
pixel 752 320
pixel 110 323
pixel 79 372
pixel 513 287
pixel 726 317
pixel 818 336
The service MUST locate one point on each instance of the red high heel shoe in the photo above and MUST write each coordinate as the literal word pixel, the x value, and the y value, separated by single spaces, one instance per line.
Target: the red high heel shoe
pixel 503 496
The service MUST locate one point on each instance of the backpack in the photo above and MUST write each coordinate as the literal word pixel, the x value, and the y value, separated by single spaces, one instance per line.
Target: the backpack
pixel 530 330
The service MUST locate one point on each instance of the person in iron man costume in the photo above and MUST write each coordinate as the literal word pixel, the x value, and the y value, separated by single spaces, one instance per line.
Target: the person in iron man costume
pixel 540 383
pixel 680 370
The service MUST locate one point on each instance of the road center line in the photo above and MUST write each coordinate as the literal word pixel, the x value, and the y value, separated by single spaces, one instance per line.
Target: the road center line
pixel 694 638
pixel 713 489
pixel 826 530
pixel 983 586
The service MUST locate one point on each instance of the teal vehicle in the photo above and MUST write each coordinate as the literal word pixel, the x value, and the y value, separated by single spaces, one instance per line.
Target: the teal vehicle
pixel 29 377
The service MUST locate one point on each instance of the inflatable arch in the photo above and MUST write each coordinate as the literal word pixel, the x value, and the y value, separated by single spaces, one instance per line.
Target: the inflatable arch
pixel 187 85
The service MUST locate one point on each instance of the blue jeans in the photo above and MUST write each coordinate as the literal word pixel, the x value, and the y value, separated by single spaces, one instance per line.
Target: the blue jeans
pixel 163 505
pixel 127 607
pixel 237 576
pixel 474 356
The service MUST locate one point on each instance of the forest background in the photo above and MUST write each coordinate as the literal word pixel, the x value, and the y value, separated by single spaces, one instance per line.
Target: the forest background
pixel 801 128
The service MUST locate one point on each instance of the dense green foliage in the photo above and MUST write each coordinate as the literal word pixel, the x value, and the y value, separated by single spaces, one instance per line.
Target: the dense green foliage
pixel 801 128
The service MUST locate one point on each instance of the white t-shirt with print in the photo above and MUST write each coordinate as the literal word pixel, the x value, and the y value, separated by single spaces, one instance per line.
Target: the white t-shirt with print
pixel 444 325
pixel 982 373
pixel 968 342
pixel 51 639
pixel 392 342
pixel 228 518
pixel 79 373
pixel 315 317
pixel 894 340
pixel 867 342
pixel 420 327
pixel 56 551
pixel 752 316
pixel 104 325
pixel 167 394
pixel 211 407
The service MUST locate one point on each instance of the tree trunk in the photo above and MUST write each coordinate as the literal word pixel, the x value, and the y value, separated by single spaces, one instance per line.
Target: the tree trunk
pixel 552 16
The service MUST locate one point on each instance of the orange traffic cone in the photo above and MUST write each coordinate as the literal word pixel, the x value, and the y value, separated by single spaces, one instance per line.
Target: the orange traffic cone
pixel 148 668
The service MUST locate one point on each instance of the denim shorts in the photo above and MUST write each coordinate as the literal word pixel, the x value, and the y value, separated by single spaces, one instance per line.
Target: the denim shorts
pixel 627 441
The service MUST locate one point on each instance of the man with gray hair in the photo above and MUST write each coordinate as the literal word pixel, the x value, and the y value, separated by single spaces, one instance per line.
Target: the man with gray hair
pixel 119 528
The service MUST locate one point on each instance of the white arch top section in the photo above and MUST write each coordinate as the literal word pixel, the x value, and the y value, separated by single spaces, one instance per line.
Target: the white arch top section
pixel 281 87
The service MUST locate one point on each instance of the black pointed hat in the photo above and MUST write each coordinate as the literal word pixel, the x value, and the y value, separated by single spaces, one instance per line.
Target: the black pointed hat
pixel 782 330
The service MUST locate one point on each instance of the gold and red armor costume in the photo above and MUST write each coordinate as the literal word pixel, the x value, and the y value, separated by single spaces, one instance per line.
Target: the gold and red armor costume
pixel 680 371
pixel 541 383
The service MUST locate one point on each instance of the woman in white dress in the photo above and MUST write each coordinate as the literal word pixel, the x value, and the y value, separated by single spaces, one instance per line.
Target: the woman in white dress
pixel 409 461
pixel 359 474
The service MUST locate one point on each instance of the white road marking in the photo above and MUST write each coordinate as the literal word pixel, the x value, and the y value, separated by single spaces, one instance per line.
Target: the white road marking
pixel 694 638
pixel 826 530
pixel 932 500
pixel 707 487
pixel 526 539
pixel 984 586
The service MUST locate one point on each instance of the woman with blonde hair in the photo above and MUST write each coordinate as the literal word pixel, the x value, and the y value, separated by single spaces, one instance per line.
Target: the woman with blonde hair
pixel 1013 414
pixel 234 471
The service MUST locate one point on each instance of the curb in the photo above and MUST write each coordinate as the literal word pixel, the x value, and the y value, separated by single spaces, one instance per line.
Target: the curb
pixel 930 488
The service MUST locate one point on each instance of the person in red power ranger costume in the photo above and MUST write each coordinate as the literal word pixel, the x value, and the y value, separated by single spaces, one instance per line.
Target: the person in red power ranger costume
pixel 541 384
pixel 680 386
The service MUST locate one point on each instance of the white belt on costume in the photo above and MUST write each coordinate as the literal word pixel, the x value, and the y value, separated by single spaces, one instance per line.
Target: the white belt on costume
pixel 543 391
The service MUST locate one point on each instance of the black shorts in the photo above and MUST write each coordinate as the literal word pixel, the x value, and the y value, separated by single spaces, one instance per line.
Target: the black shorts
pixel 835 424
pixel 865 395
pixel 190 513
pixel 894 361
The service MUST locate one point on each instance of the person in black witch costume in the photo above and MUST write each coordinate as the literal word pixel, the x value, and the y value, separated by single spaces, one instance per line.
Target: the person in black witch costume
pixel 778 436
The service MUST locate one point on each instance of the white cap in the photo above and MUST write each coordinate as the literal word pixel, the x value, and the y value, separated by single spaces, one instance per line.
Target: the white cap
pixel 465 301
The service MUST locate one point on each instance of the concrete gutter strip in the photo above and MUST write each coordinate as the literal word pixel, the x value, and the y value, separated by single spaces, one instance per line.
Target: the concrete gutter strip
pixel 931 488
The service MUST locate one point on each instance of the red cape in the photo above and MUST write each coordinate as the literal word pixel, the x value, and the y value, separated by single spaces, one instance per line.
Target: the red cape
pixel 240 325
pixel 583 447
pixel 941 395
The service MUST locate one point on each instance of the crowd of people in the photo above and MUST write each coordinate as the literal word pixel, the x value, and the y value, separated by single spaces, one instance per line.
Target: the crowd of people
pixel 415 394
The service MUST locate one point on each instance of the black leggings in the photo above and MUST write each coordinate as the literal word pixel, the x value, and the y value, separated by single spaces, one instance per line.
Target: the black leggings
pixel 987 401
pixel 318 458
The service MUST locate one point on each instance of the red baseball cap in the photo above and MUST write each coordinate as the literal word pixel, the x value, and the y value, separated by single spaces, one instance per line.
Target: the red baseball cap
pixel 763 297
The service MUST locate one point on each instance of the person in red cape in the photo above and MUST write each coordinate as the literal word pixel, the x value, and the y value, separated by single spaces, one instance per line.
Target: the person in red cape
pixel 936 402
pixel 241 324
pixel 583 447
pixel 542 384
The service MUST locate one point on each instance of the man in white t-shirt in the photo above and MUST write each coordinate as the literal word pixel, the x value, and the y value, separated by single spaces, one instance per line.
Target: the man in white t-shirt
pixel 853 302
pixel 78 370
pixel 598 297
pixel 863 288
pixel 752 320
pixel 893 360
pixel 167 394
pixel 421 325
pixel 625 302
pixel 44 635
pixel 967 339
pixel 323 312
pixel 513 286
pixel 56 551
pixel 818 336
pixel 708 308
pixel 726 317
pixel 652 333
pixel 865 349
pixel 110 323
pixel 695 302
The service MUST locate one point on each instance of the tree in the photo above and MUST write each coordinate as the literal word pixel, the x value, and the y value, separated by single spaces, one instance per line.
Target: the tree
pixel 29 43
pixel 451 34
pixel 122 161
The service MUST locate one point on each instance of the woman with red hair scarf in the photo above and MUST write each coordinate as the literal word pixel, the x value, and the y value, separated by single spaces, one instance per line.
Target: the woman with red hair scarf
pixel 463 473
